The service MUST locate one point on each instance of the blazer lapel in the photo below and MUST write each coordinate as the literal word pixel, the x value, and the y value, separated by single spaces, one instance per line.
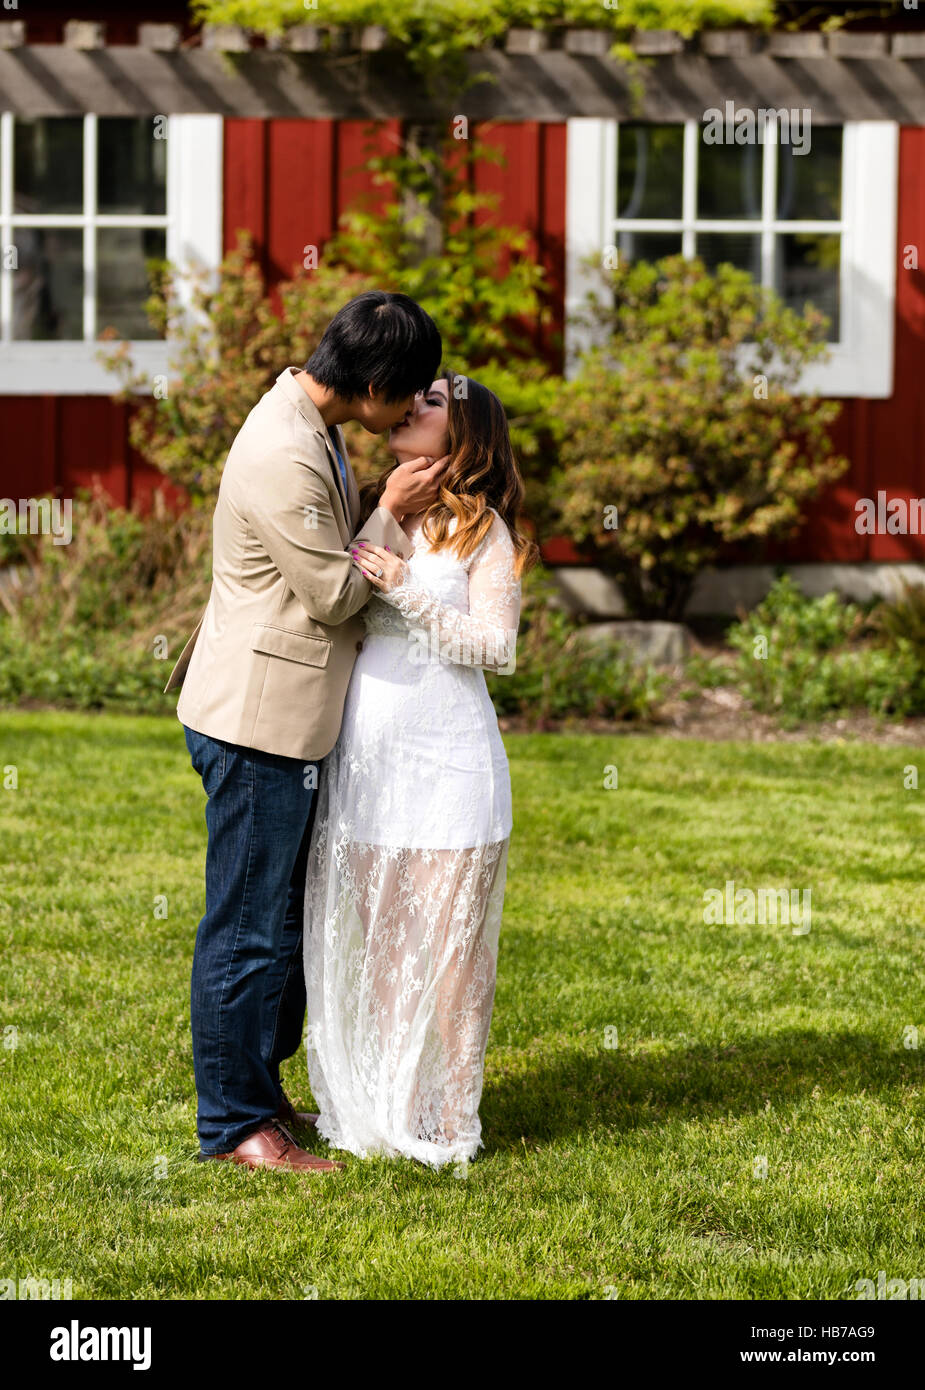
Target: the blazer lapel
pixel 343 520
pixel 349 505
pixel 353 492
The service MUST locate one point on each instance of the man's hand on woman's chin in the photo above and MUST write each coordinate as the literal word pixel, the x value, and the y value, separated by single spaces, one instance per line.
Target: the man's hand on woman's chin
pixel 413 486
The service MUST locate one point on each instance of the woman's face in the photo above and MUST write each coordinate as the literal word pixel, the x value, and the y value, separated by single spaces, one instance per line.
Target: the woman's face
pixel 425 428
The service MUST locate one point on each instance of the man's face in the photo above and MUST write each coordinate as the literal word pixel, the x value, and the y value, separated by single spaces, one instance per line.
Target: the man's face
pixel 377 415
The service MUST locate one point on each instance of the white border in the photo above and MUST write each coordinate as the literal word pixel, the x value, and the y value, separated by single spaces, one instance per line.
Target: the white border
pixel 861 362
pixel 194 239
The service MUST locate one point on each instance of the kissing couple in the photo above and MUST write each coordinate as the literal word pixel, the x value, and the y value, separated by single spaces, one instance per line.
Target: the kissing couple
pixel 358 792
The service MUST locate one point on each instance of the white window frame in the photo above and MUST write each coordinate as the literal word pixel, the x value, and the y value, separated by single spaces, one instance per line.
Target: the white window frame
pixel 861 361
pixel 193 224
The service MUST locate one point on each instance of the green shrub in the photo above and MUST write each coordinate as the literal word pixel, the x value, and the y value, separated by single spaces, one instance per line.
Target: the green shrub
pixel 802 658
pixel 105 617
pixel 227 355
pixel 900 624
pixel 903 618
pixel 101 618
pixel 78 668
pixel 435 35
pixel 684 433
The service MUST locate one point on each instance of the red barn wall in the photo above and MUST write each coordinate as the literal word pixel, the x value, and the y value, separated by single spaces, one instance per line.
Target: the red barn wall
pixel 288 181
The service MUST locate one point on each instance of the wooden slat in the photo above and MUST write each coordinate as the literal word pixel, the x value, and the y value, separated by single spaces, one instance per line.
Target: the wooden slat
pixel 50 79
pixel 355 141
pixel 300 184
pixel 88 450
pixel 245 182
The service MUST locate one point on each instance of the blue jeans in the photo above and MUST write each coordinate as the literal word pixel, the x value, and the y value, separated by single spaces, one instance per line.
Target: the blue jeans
pixel 247 1001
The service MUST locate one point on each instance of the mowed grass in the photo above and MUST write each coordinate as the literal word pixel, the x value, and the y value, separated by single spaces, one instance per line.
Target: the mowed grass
pixel 630 1171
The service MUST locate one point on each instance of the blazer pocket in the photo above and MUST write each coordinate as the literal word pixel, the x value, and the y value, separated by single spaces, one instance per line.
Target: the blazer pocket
pixel 290 645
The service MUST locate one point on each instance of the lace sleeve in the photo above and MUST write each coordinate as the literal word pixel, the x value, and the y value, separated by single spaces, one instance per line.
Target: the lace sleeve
pixel 486 635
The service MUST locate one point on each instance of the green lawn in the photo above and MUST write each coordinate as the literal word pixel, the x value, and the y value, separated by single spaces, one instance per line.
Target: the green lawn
pixel 625 1171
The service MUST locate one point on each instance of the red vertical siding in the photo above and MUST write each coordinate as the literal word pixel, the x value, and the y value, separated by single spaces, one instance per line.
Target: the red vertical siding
pixel 301 185
pixel 356 142
pixel 551 176
pixel 529 187
pixel 897 426
pixel 61 443
pixel 244 175
pixel 884 439
pixel 27 459
pixel 288 182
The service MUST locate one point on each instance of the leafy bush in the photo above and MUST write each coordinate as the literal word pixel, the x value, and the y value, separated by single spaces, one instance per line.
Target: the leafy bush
pixel 99 620
pixel 436 34
pixel 796 659
pixel 683 433
pixel 560 675
pixel 78 668
pixel 900 624
pixel 903 618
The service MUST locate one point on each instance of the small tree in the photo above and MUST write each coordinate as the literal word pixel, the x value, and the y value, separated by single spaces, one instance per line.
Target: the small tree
pixel 683 434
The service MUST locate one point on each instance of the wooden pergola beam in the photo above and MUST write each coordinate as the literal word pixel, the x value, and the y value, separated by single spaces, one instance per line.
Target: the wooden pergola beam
pixel 851 77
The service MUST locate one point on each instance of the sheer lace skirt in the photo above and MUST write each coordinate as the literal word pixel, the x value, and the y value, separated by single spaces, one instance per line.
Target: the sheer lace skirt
pixel 401 948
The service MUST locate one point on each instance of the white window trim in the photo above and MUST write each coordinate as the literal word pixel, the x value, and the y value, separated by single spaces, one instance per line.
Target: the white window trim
pixel 861 362
pixel 193 225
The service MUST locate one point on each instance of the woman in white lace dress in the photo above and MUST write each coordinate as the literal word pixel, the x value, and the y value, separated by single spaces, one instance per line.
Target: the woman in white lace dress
pixel 408 858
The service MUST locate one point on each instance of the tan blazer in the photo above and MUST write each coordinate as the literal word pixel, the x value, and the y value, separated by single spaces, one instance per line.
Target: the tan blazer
pixel 269 662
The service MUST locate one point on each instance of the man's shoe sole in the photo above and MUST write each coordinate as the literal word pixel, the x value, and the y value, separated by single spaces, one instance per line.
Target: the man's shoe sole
pixel 323 1165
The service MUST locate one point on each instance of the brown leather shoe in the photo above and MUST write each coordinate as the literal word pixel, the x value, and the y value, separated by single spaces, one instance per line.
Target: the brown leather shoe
pixel 292 1117
pixel 272 1146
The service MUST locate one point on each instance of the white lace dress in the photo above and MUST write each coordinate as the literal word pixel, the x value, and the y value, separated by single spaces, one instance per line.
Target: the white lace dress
pixel 408 860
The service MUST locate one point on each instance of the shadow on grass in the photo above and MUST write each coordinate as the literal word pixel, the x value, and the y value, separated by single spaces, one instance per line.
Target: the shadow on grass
pixel 579 1091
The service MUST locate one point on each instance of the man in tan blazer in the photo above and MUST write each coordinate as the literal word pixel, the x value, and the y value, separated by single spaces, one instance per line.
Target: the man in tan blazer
pixel 264 678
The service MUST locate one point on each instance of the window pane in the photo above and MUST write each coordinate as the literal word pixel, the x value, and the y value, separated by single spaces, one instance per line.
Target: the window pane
pixel 807 268
pixel 121 278
pixel 650 170
pixel 742 249
pixel 809 185
pixel 729 180
pixel 648 246
pixel 48 285
pixel 48 165
pixel 131 166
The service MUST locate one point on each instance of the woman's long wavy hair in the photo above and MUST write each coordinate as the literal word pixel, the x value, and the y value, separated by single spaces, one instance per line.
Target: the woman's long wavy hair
pixel 482 473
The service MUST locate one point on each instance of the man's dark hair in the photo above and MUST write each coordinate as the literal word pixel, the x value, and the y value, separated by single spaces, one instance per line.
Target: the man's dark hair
pixel 382 339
